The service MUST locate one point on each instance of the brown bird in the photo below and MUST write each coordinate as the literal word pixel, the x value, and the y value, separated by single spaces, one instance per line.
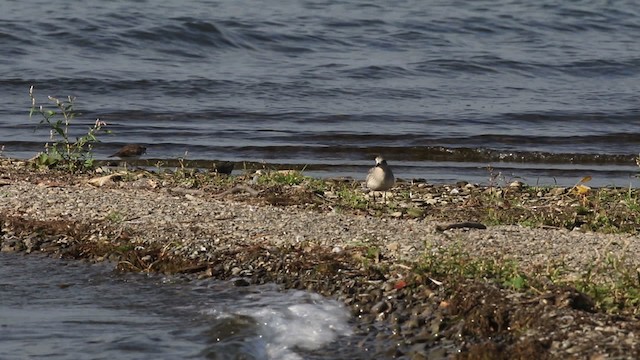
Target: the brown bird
pixel 130 152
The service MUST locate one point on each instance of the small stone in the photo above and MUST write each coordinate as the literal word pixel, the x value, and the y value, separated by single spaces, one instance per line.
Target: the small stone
pixel 241 282
pixel 412 323
pixel 396 214
pixel 32 243
pixel 12 246
pixel 394 246
pixel 380 307
pixel 330 195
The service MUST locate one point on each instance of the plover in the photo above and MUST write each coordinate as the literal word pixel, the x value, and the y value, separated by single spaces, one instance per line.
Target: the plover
pixel 380 177
pixel 130 152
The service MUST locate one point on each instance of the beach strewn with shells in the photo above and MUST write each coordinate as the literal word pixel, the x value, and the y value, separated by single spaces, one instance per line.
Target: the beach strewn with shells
pixel 380 259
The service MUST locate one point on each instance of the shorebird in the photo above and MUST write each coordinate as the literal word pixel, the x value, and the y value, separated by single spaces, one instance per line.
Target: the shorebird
pixel 380 177
pixel 130 152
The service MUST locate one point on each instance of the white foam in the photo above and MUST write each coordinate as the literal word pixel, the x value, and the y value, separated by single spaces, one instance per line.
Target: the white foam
pixel 294 320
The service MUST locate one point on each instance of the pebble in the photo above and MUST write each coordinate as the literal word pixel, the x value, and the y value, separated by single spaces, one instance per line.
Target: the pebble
pixel 200 226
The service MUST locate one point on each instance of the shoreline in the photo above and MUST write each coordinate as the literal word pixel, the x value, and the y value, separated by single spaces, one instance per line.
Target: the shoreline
pixel 384 261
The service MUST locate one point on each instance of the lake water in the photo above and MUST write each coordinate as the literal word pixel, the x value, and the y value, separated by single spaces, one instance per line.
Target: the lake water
pixel 545 91
pixel 70 310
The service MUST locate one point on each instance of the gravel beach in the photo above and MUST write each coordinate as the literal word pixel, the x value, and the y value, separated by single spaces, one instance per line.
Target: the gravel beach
pixel 369 262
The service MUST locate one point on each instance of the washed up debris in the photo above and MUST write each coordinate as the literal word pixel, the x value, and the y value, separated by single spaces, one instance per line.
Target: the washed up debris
pixel 239 188
pixel 461 225
pixel 104 180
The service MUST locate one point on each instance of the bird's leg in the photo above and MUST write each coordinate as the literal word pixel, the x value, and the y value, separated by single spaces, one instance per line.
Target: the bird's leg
pixel 373 196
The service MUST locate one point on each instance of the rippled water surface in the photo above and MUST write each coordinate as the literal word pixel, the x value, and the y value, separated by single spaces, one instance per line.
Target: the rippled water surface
pixel 544 90
pixel 57 310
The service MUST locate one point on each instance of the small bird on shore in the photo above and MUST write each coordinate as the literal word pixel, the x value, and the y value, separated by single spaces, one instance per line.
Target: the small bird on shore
pixel 380 177
pixel 130 152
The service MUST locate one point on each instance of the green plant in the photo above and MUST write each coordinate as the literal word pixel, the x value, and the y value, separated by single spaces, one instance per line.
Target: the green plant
pixel 611 281
pixel 63 152
pixel 455 263
pixel 181 162
pixel 282 177
pixel 613 284
pixel 351 198
pixel 115 217
pixel 315 185
pixel 631 201
pixel 372 252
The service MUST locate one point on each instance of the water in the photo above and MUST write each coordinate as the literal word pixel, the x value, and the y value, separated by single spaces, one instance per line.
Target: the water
pixel 70 310
pixel 546 91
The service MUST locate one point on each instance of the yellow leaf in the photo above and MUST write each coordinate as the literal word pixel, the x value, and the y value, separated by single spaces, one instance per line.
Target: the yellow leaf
pixel 585 179
pixel 581 189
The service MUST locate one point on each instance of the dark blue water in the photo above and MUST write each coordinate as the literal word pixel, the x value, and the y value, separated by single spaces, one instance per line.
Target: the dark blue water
pixel 545 90
pixel 58 310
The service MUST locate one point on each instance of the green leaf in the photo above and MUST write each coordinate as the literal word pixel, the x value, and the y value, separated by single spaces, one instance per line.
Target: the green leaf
pixel 517 282
pixel 59 131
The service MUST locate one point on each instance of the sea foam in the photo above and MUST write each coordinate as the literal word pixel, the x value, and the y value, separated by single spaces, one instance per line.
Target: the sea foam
pixel 291 321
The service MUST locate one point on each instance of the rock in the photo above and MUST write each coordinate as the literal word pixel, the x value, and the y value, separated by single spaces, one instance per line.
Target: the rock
pixel 241 282
pixel 557 191
pixel 394 246
pixel 32 243
pixel 12 245
pixel 379 307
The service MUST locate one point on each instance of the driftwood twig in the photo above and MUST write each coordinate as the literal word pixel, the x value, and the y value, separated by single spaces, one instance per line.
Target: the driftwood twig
pixel 461 225
pixel 239 188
